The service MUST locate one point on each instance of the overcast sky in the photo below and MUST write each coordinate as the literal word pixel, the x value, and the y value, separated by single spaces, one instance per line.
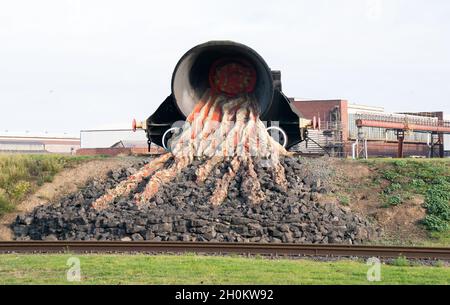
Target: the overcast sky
pixel 71 65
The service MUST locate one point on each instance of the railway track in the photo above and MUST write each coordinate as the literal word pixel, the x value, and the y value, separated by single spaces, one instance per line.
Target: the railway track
pixel 224 248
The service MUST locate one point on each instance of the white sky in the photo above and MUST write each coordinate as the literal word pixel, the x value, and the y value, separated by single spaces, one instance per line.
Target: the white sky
pixel 71 65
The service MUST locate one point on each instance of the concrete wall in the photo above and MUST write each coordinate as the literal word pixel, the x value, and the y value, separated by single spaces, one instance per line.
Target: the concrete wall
pixel 21 146
pixel 61 148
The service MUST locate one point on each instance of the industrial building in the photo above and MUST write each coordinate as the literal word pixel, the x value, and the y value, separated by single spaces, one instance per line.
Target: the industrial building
pixel 115 142
pixel 15 142
pixel 336 133
pixel 380 135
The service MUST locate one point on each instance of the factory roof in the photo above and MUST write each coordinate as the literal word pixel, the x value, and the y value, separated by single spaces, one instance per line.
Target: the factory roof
pixel 29 134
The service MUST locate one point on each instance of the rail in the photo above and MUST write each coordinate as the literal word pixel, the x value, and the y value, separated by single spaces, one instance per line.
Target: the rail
pixel 224 248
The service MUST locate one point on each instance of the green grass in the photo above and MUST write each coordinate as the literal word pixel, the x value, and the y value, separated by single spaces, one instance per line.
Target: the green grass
pixel 20 175
pixel 437 239
pixel 404 178
pixel 442 237
pixel 401 262
pixel 193 269
pixel 344 200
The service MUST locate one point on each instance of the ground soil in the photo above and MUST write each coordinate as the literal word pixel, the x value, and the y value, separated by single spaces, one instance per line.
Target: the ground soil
pixel 65 182
pixel 399 223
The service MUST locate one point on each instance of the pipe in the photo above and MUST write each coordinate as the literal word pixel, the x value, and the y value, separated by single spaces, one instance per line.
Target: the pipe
pixel 354 149
pixel 190 78
pixel 403 126
pixel 366 149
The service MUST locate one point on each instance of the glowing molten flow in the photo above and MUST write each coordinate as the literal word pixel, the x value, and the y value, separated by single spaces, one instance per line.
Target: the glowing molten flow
pixel 223 127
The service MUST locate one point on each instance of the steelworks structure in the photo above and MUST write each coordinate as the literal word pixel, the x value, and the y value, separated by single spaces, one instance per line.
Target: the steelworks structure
pixel 427 123
pixel 423 135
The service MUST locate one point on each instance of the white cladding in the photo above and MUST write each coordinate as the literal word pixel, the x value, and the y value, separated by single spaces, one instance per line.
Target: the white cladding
pixel 355 108
pixel 107 138
pixel 39 142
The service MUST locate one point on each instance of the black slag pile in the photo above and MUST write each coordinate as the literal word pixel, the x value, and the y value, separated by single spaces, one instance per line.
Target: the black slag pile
pixel 180 211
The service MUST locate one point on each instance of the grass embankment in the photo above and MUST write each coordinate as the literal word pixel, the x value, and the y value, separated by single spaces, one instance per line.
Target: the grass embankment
pixel 193 269
pixel 404 179
pixel 20 175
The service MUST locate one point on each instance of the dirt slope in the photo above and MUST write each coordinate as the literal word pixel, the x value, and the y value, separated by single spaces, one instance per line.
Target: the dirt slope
pixel 353 186
pixel 66 182
pixel 399 223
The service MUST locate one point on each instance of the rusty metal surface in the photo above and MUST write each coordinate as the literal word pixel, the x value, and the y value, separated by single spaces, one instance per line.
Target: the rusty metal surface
pixel 223 248
pixel 402 126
